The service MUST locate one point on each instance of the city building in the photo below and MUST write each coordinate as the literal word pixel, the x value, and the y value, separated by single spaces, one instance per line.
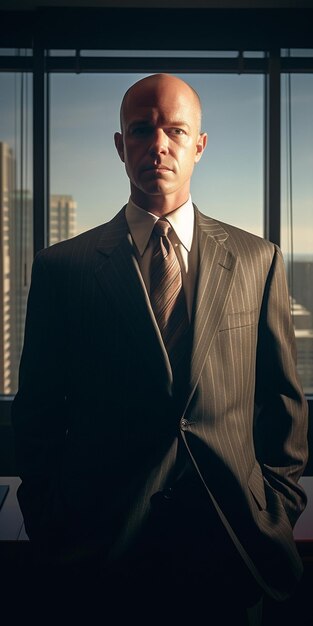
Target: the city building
pixel 62 220
pixel 16 256
pixel 303 324
pixel 16 218
pixel 7 185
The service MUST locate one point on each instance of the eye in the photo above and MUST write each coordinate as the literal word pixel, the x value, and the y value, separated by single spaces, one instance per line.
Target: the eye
pixel 141 131
pixel 177 131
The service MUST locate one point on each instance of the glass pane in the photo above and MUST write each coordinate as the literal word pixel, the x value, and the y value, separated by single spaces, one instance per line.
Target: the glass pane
pixel 8 51
pixel 161 53
pixel 297 52
pixel 61 53
pixel 297 211
pixel 16 52
pixel 227 183
pixel 254 54
pixel 16 208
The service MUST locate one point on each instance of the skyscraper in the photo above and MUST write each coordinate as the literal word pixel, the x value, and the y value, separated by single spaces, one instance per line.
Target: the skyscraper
pixel 62 221
pixel 16 256
pixel 303 324
pixel 21 258
pixel 7 186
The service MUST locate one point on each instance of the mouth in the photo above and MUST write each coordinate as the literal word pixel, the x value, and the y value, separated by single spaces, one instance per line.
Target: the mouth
pixel 157 168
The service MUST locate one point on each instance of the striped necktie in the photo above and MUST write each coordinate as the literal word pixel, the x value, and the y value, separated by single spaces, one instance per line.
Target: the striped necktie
pixel 166 290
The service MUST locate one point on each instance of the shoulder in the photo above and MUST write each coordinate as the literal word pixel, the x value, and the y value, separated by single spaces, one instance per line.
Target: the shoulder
pixel 237 240
pixel 66 248
pixel 84 247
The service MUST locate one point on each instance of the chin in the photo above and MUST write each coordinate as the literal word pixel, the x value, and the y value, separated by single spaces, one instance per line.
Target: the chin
pixel 157 188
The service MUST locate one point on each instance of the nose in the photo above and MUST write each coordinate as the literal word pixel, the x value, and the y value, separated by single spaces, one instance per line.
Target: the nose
pixel 159 142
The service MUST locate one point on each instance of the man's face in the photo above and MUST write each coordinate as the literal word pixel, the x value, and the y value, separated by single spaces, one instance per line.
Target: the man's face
pixel 160 141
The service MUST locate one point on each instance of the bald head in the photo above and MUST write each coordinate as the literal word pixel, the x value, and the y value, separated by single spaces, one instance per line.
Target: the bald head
pixel 160 141
pixel 145 90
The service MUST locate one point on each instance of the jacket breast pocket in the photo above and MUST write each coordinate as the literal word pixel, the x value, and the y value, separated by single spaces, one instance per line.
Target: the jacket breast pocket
pixel 239 320
pixel 256 486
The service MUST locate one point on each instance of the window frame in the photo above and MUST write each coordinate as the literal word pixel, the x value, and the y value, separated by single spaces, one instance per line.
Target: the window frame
pixel 42 37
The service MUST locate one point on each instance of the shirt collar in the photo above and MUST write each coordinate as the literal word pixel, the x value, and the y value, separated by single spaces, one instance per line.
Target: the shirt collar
pixel 141 224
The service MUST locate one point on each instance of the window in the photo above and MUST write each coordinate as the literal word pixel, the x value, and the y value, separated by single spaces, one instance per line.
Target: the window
pixel 85 168
pixel 297 211
pixel 15 220
pixel 257 101
pixel 86 183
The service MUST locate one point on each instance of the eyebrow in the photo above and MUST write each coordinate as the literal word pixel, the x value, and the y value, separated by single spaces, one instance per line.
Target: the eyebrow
pixel 174 123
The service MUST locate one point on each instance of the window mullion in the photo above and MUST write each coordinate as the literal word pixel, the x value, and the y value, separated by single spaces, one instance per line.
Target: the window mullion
pixel 39 150
pixel 272 208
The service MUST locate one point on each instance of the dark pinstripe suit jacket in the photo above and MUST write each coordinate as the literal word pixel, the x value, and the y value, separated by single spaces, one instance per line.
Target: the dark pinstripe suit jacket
pixel 94 421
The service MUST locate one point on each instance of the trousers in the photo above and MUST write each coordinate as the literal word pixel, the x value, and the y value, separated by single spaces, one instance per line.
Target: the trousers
pixel 185 569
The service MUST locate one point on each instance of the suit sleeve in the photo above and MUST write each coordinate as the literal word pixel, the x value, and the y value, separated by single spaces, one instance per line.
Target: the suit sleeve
pixel 281 422
pixel 38 410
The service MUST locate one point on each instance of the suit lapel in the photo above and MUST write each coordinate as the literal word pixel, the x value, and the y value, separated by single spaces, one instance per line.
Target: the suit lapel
pixel 119 275
pixel 216 273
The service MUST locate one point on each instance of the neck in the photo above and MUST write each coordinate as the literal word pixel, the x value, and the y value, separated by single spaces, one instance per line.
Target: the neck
pixel 157 204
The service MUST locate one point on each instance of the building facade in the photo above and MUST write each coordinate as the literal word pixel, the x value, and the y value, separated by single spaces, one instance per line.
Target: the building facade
pixel 62 219
pixel 7 185
pixel 16 257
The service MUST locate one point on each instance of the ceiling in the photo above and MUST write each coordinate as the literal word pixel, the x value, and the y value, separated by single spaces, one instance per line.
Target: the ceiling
pixel 21 5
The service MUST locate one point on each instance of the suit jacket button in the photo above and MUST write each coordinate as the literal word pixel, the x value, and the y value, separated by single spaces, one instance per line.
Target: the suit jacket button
pixel 184 424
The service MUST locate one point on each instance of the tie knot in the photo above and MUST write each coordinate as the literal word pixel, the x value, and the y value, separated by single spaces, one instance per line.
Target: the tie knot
pixel 162 228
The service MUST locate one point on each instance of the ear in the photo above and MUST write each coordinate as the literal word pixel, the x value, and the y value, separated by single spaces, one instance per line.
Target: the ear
pixel 200 146
pixel 119 144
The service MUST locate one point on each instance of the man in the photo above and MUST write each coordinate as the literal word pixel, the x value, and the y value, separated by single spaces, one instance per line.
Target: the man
pixel 160 424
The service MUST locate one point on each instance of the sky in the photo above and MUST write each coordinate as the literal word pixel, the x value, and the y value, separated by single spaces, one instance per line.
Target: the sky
pixel 227 183
pixel 85 114
pixel 302 162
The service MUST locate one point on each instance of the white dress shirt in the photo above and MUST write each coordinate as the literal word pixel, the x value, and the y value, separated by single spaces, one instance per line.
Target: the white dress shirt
pixel 141 224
